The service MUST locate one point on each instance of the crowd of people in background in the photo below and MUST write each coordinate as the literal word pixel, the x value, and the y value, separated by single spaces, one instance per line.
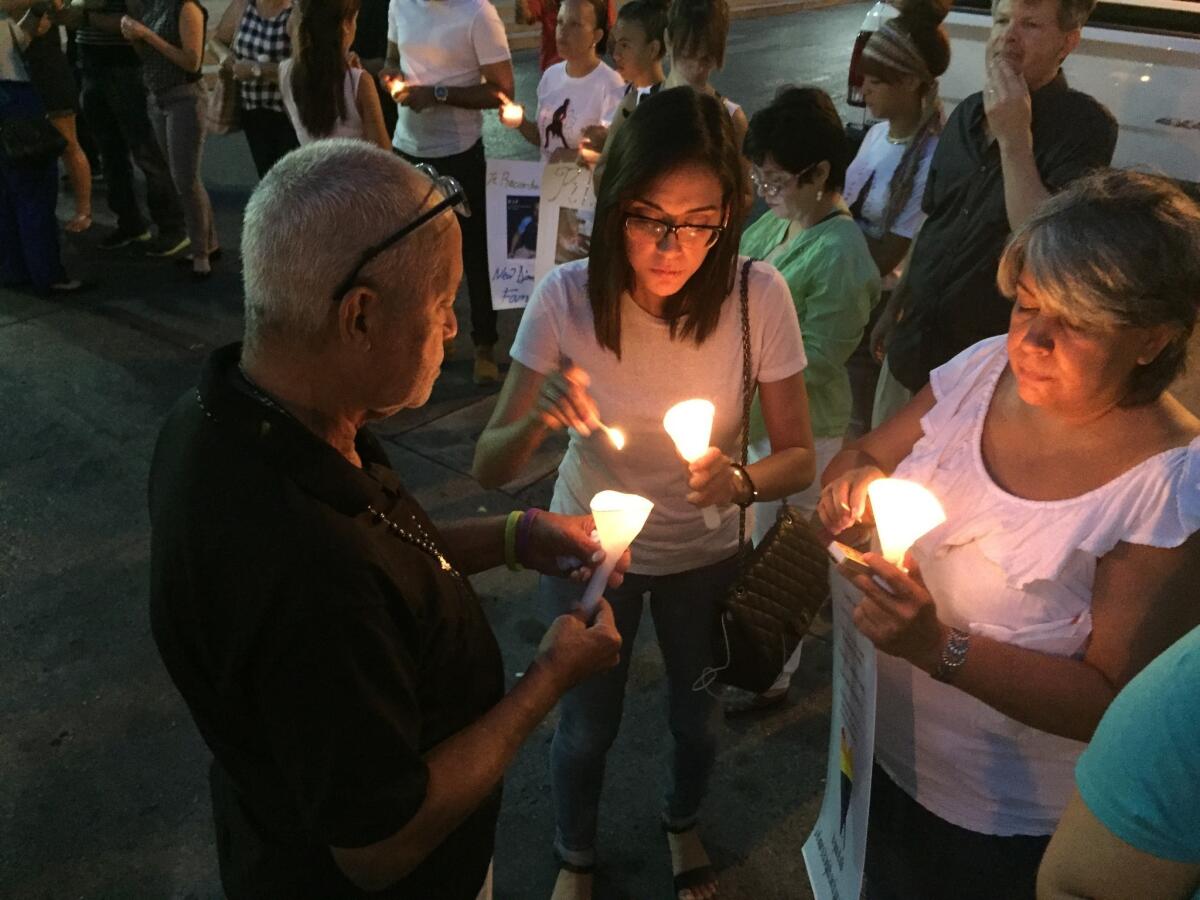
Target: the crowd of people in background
pixel 976 302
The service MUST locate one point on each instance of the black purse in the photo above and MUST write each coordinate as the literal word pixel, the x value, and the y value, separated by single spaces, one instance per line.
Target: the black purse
pixel 29 141
pixel 781 583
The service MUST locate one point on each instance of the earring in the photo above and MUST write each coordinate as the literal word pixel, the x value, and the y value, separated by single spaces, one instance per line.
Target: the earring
pixel 820 194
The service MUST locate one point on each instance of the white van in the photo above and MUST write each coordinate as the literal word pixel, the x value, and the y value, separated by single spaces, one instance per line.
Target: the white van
pixel 1140 58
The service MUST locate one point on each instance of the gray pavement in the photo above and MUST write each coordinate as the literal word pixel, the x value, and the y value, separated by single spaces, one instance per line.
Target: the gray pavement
pixel 102 774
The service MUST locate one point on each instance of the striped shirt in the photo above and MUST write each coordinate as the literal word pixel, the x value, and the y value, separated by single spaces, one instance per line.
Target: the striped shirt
pixel 263 40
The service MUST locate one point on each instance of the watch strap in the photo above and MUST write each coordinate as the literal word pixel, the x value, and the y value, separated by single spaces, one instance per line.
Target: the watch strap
pixel 954 654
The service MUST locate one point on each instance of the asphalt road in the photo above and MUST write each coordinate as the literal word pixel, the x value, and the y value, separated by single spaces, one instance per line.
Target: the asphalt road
pixel 103 791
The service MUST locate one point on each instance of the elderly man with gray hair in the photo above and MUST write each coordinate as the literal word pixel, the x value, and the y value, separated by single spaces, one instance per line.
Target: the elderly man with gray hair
pixel 1002 152
pixel 320 627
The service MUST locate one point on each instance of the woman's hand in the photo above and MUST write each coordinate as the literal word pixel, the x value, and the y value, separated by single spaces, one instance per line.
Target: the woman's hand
pixel 844 500
pixel 132 29
pixel 711 480
pixel 564 546
pixel 243 70
pixel 901 623
pixel 564 402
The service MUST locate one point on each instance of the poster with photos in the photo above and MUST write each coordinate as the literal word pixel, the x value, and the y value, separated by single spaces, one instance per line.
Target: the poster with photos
pixel 565 216
pixel 513 192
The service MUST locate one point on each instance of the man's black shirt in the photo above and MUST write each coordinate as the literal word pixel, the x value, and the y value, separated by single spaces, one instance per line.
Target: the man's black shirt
pixel 320 654
pixel 951 298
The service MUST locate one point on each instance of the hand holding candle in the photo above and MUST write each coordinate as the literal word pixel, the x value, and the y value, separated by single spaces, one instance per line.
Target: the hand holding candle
pixel 690 426
pixel 619 519
pixel 904 511
pixel 511 114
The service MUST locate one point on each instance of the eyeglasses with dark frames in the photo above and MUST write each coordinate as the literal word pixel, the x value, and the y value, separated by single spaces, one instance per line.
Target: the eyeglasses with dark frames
pixel 650 230
pixel 453 197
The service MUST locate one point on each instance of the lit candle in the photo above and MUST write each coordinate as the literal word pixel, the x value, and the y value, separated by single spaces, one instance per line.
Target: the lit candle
pixel 512 114
pixel 616 435
pixel 396 87
pixel 587 154
pixel 904 511
pixel 690 426
pixel 619 519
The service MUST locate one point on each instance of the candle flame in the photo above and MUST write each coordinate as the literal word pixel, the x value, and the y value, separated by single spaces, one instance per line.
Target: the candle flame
pixel 690 426
pixel 512 114
pixel 904 511
pixel 617 436
pixel 396 88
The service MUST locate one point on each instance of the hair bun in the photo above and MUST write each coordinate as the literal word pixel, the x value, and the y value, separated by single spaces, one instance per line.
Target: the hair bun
pixel 924 13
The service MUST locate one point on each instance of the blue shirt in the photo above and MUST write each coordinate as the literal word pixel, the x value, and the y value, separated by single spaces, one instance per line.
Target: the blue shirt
pixel 1140 776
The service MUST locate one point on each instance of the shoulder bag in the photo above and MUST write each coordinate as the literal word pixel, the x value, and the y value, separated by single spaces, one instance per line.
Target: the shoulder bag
pixel 781 583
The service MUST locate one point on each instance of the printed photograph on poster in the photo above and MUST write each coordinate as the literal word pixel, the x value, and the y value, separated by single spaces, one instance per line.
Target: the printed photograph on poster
pixel 522 227
pixel 565 216
pixel 513 194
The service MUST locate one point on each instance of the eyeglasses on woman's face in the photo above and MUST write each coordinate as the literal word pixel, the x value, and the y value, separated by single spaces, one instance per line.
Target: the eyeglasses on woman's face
pixel 453 197
pixel 771 187
pixel 648 230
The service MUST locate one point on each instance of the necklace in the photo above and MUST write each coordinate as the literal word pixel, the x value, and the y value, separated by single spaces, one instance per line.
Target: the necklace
pixel 419 539
pixel 897 141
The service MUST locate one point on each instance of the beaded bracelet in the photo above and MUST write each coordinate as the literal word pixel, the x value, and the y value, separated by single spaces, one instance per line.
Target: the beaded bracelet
pixel 510 541
pixel 525 534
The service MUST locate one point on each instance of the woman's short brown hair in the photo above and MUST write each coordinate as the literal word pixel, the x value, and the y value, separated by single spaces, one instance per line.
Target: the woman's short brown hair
pixel 667 130
pixel 1116 249
pixel 698 28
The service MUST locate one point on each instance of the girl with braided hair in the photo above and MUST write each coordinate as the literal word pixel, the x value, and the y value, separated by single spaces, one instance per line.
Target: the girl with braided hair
pixel 884 184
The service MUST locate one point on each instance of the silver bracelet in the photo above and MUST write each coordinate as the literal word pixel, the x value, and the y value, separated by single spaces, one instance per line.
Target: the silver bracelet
pixel 954 654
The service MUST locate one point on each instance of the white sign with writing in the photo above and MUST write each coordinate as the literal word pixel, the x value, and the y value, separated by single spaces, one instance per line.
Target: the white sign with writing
pixel 513 191
pixel 567 208
pixel 837 849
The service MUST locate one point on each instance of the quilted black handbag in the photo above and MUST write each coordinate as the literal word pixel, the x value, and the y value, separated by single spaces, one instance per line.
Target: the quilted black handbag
pixel 781 583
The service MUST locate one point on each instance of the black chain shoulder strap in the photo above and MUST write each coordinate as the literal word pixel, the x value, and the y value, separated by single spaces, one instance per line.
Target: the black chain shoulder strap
pixel 747 400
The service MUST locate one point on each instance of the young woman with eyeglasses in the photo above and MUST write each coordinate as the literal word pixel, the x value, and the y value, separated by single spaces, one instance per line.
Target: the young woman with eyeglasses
pixel 798 151
pixel 651 318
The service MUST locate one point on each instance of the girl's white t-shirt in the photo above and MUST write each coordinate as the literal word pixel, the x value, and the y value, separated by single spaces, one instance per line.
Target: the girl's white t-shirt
pixel 568 105
pixel 876 162
pixel 633 393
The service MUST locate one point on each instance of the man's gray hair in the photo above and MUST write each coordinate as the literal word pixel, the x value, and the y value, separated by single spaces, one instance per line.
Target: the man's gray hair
pixel 1072 14
pixel 1114 250
pixel 309 221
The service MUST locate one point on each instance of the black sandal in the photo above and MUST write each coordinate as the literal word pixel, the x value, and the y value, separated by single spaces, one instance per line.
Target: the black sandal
pixel 691 878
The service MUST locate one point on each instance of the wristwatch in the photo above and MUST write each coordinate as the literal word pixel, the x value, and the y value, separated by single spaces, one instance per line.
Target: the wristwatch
pixel 256 70
pixel 440 93
pixel 742 477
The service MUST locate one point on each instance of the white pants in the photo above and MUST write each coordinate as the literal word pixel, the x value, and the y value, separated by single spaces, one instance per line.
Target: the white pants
pixel 762 517
pixel 890 396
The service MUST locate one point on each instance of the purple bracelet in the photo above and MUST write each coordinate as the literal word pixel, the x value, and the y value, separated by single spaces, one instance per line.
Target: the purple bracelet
pixel 524 530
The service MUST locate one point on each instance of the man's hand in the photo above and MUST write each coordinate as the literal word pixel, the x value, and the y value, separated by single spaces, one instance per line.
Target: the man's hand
pixel 573 649
pixel 418 98
pixel 1007 104
pixel 132 29
pixel 564 546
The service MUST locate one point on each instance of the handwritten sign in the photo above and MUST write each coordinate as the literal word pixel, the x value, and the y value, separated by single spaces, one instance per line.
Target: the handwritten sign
pixel 567 208
pixel 513 189
pixel 836 851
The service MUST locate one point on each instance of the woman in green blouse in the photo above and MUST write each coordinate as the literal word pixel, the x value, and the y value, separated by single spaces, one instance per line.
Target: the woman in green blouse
pixel 798 154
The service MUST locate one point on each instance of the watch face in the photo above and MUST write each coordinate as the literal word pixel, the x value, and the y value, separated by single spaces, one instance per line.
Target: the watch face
pixel 439 94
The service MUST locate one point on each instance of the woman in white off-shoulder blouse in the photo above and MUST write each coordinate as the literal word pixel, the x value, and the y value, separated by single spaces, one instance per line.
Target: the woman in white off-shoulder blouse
pixel 1069 555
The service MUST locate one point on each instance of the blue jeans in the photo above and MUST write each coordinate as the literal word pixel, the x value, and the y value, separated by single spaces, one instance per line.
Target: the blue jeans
pixel 29 249
pixel 684 606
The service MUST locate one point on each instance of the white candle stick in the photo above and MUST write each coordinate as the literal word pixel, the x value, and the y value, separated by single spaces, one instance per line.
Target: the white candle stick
pixel 690 426
pixel 619 519
pixel 904 511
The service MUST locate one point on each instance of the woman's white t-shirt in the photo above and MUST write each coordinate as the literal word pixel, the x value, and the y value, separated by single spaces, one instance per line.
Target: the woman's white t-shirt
pixel 876 162
pixel 1020 572
pixel 568 105
pixel 351 126
pixel 634 392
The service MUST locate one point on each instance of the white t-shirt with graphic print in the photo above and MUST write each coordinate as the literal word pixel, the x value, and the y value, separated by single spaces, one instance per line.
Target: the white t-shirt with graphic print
pixel 568 105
